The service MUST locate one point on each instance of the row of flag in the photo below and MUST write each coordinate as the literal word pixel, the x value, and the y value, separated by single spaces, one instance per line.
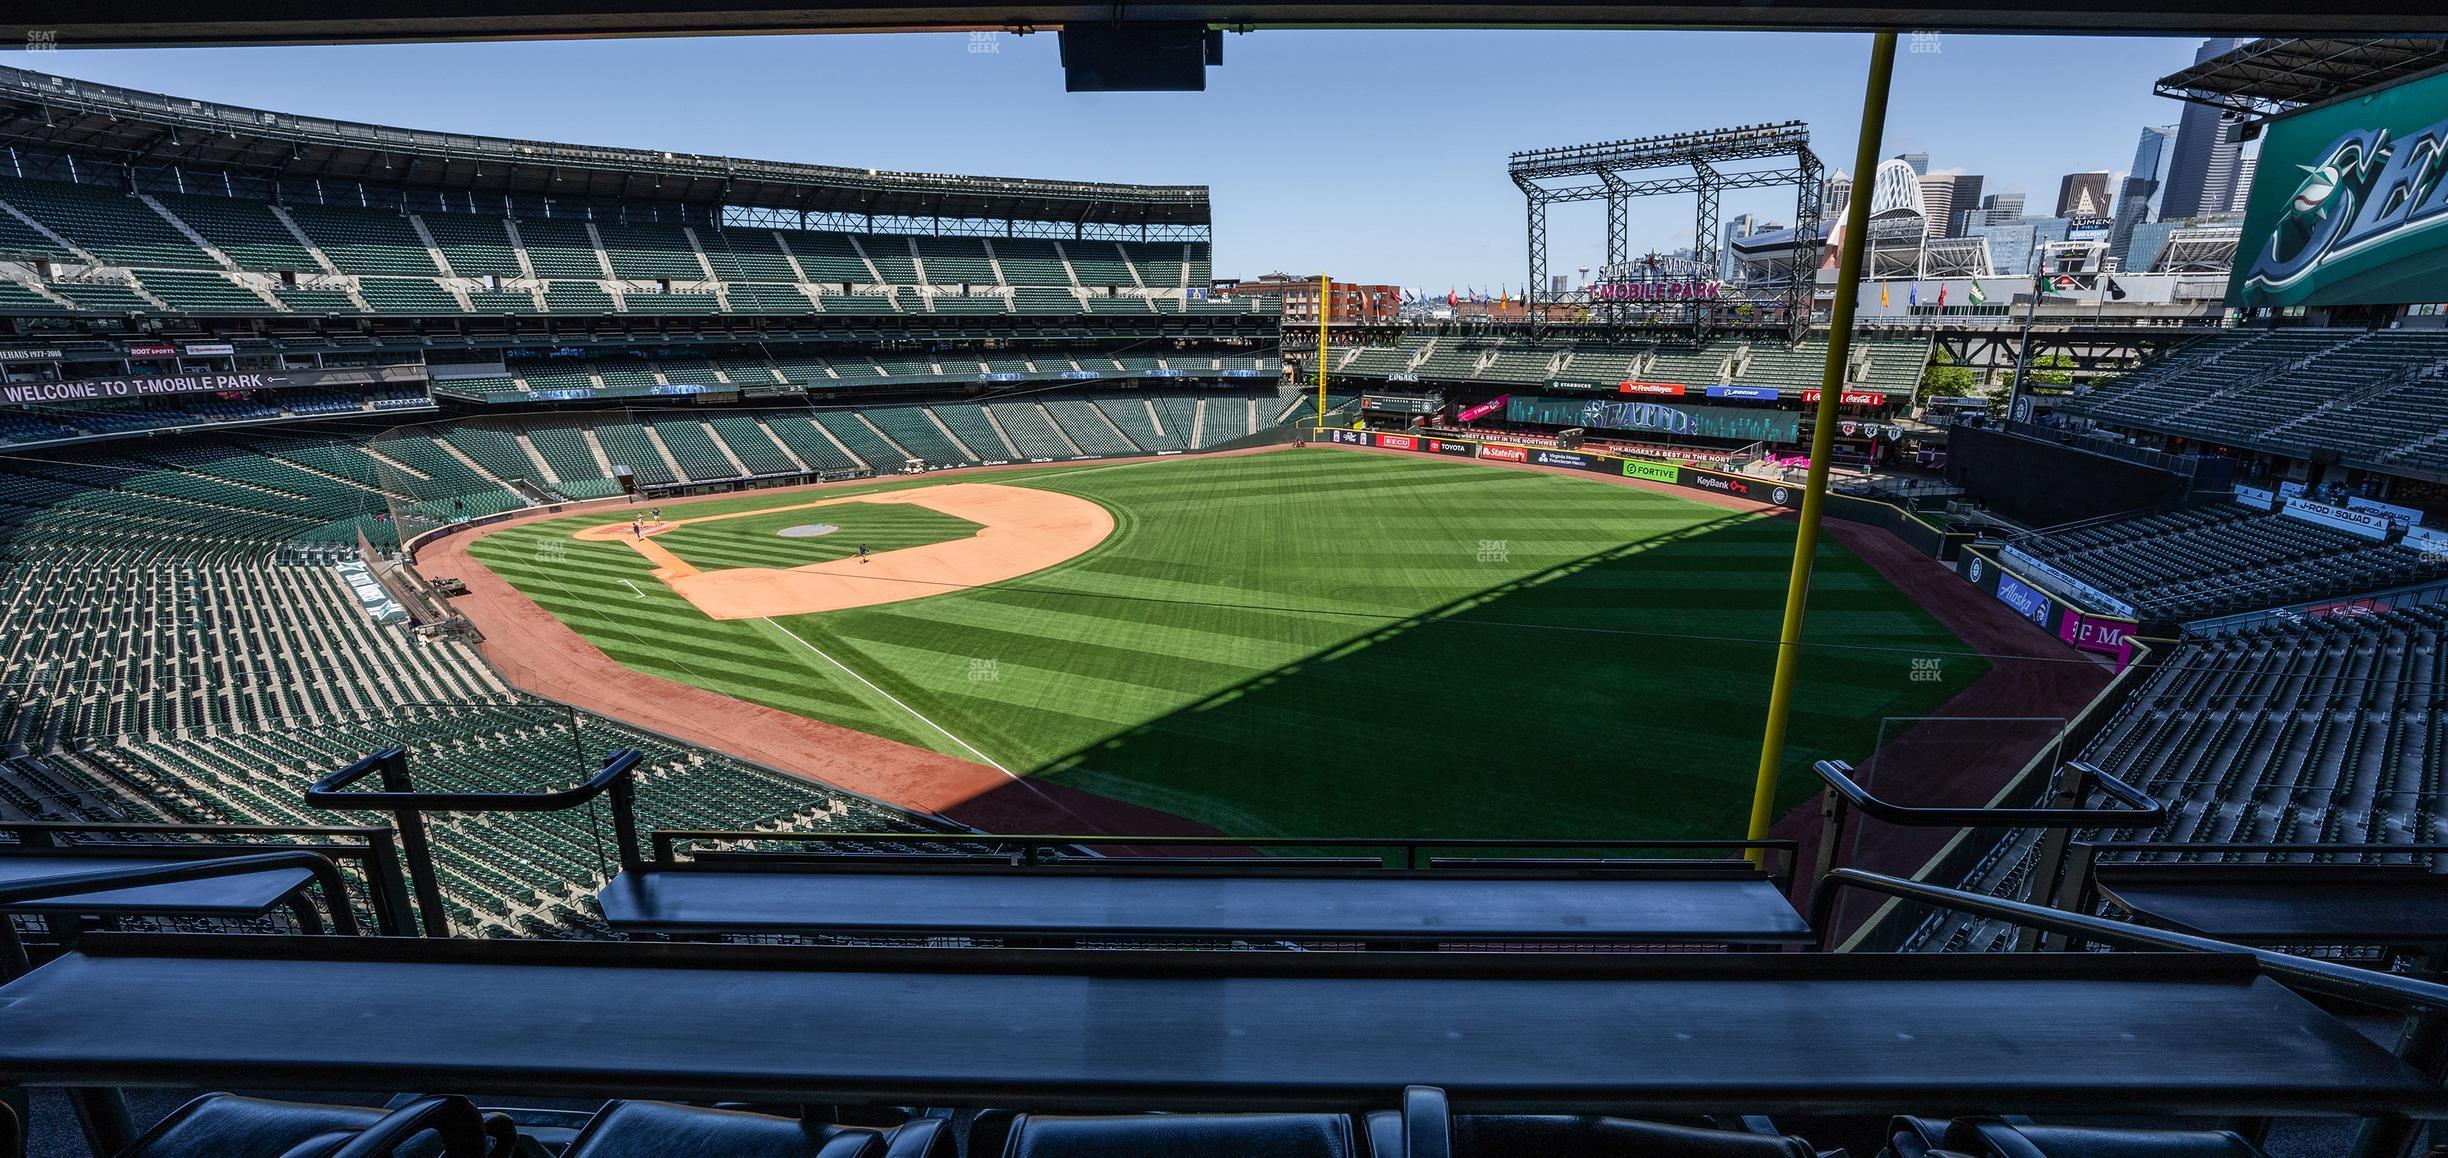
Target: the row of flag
pixel 1455 297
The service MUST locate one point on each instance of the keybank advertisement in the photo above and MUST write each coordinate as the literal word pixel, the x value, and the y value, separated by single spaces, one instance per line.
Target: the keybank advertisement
pixel 2347 205
pixel 1676 418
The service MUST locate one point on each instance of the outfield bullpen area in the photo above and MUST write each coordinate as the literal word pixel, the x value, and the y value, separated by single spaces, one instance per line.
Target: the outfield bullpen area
pixel 1307 642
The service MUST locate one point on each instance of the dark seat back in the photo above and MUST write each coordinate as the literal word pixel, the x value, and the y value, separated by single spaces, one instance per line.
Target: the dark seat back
pixel 1182 1136
pixel 229 1126
pixel 1990 1138
pixel 1420 1129
pixel 666 1130
pixel 1582 1136
pixel 1996 1138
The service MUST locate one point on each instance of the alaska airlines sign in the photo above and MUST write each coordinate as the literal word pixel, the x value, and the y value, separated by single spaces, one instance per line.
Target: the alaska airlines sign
pixel 2348 205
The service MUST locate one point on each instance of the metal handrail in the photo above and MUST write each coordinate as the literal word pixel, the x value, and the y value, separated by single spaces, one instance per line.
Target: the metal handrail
pixel 377 858
pixel 1034 846
pixel 409 805
pixel 325 874
pixel 326 792
pixel 2141 809
pixel 2327 978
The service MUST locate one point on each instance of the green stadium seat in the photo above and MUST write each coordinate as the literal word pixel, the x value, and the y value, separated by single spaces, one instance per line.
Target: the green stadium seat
pixel 247 231
pixel 560 248
pixel 365 241
pixel 475 245
pixel 199 292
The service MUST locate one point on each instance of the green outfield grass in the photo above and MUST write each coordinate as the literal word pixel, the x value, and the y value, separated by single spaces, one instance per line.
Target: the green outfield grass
pixel 1321 643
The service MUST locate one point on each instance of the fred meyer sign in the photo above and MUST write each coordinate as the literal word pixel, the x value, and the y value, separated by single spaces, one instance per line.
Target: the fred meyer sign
pixel 1654 389
pixel 168 385
pixel 2347 204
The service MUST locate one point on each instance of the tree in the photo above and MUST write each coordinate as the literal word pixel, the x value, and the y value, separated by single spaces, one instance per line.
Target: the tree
pixel 2051 370
pixel 1944 376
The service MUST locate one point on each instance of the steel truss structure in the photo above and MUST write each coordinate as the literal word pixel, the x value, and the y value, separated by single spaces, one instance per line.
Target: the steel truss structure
pixel 1618 171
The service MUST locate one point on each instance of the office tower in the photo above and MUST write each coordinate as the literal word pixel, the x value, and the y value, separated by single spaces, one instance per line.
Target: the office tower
pixel 1739 226
pixel 2138 195
pixel 1999 209
pixel 2083 194
pixel 1966 203
pixel 2201 174
pixel 1937 205
pixel 2243 182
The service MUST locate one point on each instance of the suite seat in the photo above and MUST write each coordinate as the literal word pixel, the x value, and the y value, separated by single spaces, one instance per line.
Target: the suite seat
pixel 626 1129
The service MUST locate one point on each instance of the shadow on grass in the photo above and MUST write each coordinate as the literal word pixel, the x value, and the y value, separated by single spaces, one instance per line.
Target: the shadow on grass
pixel 1617 695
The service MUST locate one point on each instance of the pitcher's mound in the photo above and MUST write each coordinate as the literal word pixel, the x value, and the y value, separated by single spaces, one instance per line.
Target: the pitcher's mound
pixel 807 530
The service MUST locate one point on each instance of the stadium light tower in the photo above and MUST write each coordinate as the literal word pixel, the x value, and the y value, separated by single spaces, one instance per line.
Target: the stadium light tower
pixel 1618 171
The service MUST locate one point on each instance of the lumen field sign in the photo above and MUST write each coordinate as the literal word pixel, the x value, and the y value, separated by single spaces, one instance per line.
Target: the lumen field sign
pixel 2348 206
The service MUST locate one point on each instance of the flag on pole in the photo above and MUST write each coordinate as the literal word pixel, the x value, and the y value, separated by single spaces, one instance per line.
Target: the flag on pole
pixel 1976 295
pixel 2115 291
pixel 1942 295
pixel 1882 295
pixel 1912 296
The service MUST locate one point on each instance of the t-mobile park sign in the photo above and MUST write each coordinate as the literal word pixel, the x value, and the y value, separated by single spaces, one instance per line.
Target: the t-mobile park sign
pixel 169 385
pixel 1658 291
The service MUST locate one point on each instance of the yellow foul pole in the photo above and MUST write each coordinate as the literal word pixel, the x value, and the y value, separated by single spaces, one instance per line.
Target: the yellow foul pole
pixel 1823 433
pixel 1325 284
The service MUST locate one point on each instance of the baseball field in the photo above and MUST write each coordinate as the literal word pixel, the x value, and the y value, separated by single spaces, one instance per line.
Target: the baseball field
pixel 1298 643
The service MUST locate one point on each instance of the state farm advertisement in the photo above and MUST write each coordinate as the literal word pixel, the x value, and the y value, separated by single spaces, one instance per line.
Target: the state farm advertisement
pixel 1503 453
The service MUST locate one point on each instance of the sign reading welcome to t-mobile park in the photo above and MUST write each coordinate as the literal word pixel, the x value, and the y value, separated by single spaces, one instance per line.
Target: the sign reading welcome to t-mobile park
pixel 171 385
pixel 2348 205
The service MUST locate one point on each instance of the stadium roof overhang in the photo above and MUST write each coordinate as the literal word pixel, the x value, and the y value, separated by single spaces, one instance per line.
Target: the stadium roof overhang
pixel 141 23
pixel 2269 76
pixel 41 111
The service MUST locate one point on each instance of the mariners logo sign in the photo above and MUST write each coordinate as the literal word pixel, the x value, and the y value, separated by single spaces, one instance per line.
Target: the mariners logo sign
pixel 2348 205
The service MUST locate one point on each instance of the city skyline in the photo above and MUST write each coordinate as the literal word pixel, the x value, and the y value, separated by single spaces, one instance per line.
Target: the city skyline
pixel 1357 201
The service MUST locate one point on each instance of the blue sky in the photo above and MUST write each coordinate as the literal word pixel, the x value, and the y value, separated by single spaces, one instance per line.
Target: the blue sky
pixel 1375 156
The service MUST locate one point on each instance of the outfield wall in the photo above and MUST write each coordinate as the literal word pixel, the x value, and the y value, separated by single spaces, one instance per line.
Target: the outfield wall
pixel 2071 625
pixel 1927 539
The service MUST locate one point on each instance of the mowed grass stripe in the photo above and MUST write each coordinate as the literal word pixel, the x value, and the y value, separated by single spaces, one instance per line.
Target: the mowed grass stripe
pixel 1329 644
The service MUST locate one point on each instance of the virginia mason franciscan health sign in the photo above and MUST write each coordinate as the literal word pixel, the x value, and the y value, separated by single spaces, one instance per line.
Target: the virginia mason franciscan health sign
pixel 2347 204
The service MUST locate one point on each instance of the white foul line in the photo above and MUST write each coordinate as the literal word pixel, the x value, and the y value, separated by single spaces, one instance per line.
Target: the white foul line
pixel 896 702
